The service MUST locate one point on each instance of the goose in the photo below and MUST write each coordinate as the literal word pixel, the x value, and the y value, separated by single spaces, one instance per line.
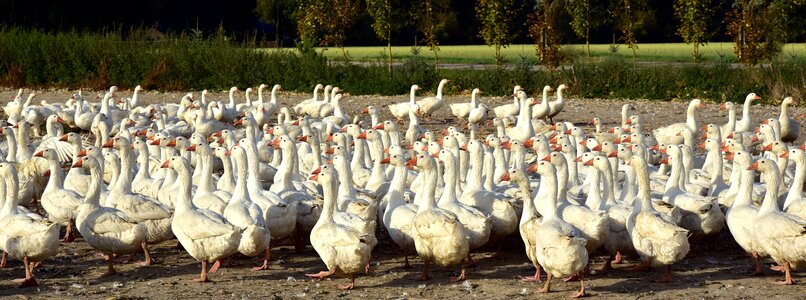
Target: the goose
pixel 668 134
pixel 225 182
pixel 398 216
pixel 530 218
pixel 523 130
pixel 617 241
pixel 730 126
pixel 510 109
pixel 300 107
pixel 658 241
pixel 742 212
pixel 781 235
pixel 746 124
pixel 701 215
pixel 429 105
pixel 308 209
pixel 476 223
pixel 560 249
pixel 462 110
pixel 795 203
pixel 205 235
pixel 61 204
pixel 23 236
pixel 401 110
pixel 154 216
pixel 241 212
pixel 207 196
pixel 543 109
pixel 438 235
pixel 143 183
pixel 478 114
pixel 556 106
pixel 344 250
pixel 790 129
pixel 106 229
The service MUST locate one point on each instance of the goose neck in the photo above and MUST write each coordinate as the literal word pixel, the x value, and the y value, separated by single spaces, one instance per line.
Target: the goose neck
pixel 429 188
pixel 773 182
pixel 183 201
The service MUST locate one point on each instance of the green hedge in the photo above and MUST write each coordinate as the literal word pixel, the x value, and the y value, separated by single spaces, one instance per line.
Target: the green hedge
pixel 186 61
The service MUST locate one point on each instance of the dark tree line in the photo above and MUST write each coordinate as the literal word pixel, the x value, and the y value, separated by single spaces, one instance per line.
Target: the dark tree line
pixel 759 28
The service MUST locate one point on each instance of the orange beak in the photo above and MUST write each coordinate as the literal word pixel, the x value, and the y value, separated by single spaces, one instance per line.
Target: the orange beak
pixel 663 151
pixel 754 166
pixel 613 154
pixel 40 154
pixel 463 147
pixel 597 147
pixel 379 126
pixel 314 177
pixel 330 150
pixel 365 110
pixel 218 134
pixel 108 144
pixel 629 122
pixel 655 147
pixel 78 164
pixel 155 143
pixel 754 139
pixel 506 145
pixel 63 138
pixel 363 135
pixel 506 177
pixel 386 160
pixel 785 155
pixel 730 156
pixel 588 163
pixel 628 139
pixel 164 164
pixel 329 138
pixel 665 160
pixel 239 122
pixel 192 148
pixel 229 152
pixel 295 123
pixel 46 174
pixel 270 130
pixel 528 143
pixel 767 147
pixel 701 145
pixel 172 143
pixel 317 170
pixel 386 151
pixel 412 162
pixel 60 120
pixel 303 138
pixel 578 159
pixel 532 168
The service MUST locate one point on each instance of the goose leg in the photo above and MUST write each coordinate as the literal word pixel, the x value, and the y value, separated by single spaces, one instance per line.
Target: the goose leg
pixel 618 258
pixel 461 276
pixel 547 286
pixel 203 276
pixel 535 278
pixel 424 276
pixel 581 292
pixel 406 265
pixel 786 269
pixel 216 266
pixel 757 263
pixel 29 280
pixel 4 260
pixel 265 265
pixel 642 267
pixel 110 267
pixel 147 261
pixel 609 263
pixel 348 286
pixel 668 276
pixel 321 275
pixel 68 233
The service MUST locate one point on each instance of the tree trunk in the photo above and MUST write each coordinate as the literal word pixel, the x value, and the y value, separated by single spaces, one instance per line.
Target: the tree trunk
pixel 389 47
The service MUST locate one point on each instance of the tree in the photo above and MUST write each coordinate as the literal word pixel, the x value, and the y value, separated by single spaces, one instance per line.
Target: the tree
pixel 544 30
pixel 432 18
pixel 632 17
pixel 759 28
pixel 277 12
pixel 326 21
pixel 384 14
pixel 496 18
pixel 694 16
pixel 582 19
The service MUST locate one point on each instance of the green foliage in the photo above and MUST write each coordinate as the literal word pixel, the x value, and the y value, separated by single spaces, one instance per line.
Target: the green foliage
pixel 694 16
pixel 759 28
pixel 585 15
pixel 432 18
pixel 385 15
pixel 544 30
pixel 496 18
pixel 193 62
pixel 281 13
pixel 632 17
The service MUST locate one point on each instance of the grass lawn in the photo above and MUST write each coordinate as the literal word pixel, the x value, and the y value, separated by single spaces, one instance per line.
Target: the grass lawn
pixel 482 54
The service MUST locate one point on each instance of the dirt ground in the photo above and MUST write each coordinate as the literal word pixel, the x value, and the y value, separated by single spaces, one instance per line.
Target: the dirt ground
pixel 715 271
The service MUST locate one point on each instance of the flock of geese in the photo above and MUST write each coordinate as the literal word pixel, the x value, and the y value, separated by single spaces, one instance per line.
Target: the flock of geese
pixel 225 178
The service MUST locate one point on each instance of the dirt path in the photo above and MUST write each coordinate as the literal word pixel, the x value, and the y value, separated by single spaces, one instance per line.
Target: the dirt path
pixel 714 272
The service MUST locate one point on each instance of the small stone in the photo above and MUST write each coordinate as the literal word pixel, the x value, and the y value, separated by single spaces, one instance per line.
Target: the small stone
pixel 291 279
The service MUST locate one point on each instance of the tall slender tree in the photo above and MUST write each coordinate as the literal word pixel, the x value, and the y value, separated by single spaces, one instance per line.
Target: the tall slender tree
pixel 279 13
pixel 582 19
pixel 694 16
pixel 432 18
pixel 544 30
pixel 385 15
pixel 759 28
pixel 496 19
pixel 631 18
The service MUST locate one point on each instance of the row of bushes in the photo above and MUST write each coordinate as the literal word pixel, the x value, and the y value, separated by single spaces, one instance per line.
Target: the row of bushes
pixel 186 61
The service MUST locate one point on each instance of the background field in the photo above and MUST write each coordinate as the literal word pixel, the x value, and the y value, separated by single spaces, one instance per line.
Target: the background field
pixel 482 54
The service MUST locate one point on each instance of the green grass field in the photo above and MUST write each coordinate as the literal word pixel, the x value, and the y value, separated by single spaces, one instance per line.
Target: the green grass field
pixel 481 54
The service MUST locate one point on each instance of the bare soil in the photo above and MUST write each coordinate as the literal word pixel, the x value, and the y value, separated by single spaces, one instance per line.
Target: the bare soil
pixel 716 269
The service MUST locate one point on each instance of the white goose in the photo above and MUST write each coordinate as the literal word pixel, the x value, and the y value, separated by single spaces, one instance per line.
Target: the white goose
pixel 669 134
pixel 246 215
pixel 401 110
pixel 61 204
pixel 742 212
pixel 429 105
